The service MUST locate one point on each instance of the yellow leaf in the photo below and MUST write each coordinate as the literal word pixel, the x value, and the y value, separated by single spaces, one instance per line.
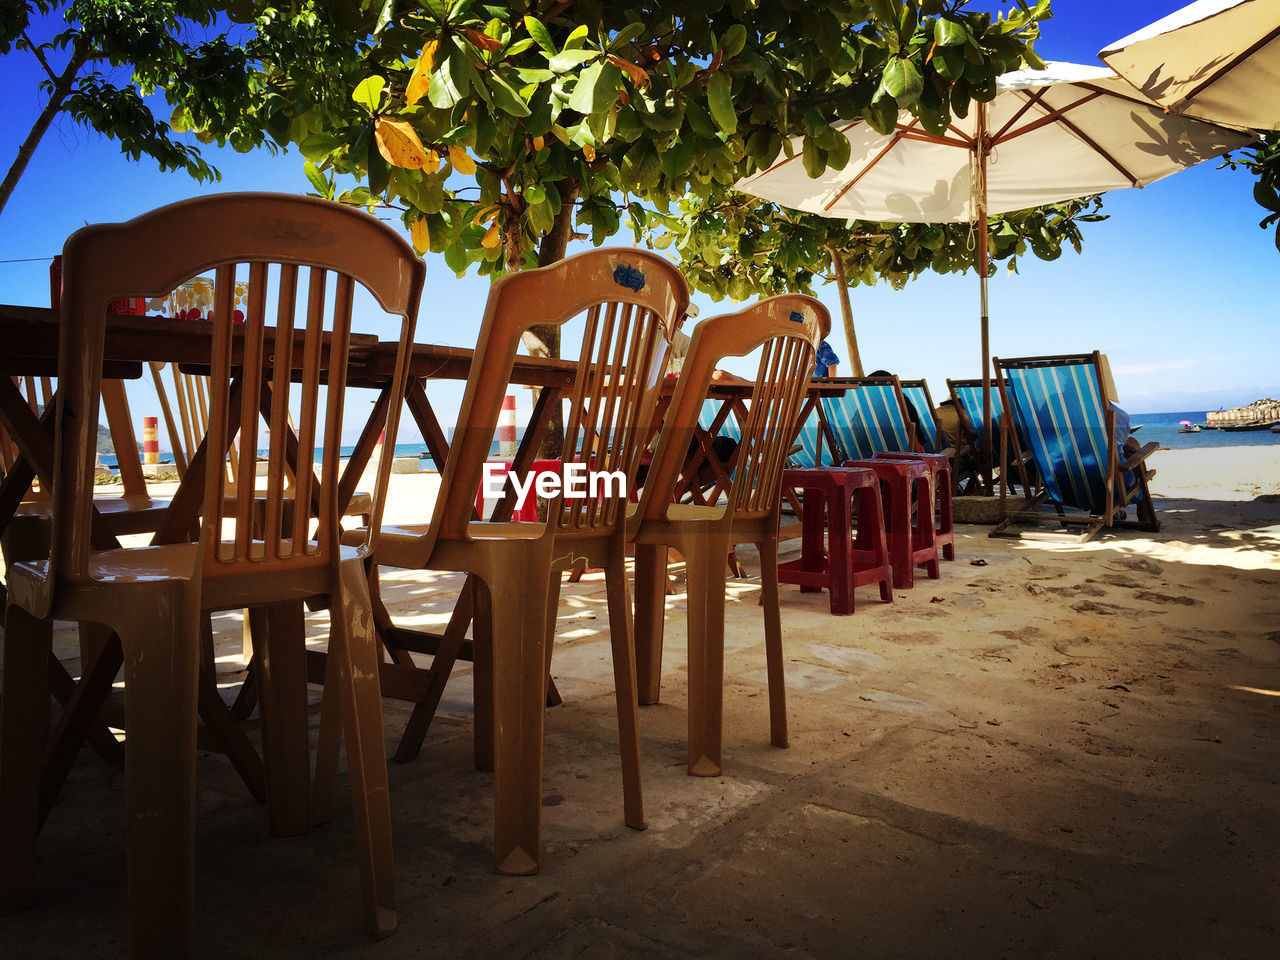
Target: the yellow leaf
pixel 588 152
pixel 420 236
pixel 492 237
pixel 480 41
pixel 399 144
pixel 639 76
pixel 538 142
pixel 421 79
pixel 485 214
pixel 461 162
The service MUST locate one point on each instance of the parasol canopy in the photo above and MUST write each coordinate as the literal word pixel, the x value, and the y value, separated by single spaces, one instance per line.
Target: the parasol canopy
pixel 1214 59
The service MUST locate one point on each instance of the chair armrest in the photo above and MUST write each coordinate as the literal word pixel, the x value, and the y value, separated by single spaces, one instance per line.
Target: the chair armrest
pixel 1140 455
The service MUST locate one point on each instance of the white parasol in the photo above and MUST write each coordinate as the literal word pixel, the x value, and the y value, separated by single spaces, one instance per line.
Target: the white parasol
pixel 1049 135
pixel 1214 59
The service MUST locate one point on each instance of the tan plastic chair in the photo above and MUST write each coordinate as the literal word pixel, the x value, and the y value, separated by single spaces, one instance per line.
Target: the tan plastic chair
pixel 706 534
pixel 633 299
pixel 154 597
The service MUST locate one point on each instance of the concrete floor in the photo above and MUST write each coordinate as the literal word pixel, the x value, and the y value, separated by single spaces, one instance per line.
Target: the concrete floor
pixel 964 780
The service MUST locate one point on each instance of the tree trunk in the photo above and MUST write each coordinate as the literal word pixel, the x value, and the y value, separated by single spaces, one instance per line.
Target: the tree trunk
pixel 544 340
pixel 846 309
pixel 60 90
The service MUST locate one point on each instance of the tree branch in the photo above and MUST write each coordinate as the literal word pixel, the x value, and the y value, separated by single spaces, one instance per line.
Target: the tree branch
pixel 61 87
pixel 35 51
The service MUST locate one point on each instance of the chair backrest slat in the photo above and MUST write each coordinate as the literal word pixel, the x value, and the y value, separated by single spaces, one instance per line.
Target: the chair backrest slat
pixel 786 363
pixel 634 301
pixel 265 238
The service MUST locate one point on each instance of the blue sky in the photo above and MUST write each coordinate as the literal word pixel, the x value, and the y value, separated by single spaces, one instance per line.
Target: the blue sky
pixel 1179 287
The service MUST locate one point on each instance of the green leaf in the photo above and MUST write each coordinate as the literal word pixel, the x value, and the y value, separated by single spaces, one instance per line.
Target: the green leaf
pixel 569 59
pixel 505 97
pixel 317 146
pixel 541 35
pixel 735 39
pixel 626 35
pixel 948 32
pixel 597 88
pixel 317 179
pixel 720 102
pixel 368 93
pixel 814 160
pixel 902 81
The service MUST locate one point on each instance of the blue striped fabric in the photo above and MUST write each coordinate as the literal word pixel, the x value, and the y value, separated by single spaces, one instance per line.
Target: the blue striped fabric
pixel 969 395
pixel 868 420
pixel 707 416
pixel 918 397
pixel 807 455
pixel 1058 410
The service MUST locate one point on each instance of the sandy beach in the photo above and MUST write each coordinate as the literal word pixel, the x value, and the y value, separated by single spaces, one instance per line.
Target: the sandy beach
pixel 1050 751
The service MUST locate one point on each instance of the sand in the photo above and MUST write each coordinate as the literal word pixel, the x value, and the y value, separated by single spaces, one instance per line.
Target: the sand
pixel 1050 751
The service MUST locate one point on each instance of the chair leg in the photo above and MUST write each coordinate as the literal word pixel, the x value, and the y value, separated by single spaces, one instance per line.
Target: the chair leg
pixel 482 675
pixel 622 638
pixel 355 648
pixel 650 607
pixel 705 565
pixel 279 635
pixel 24 722
pixel 161 669
pixel 517 607
pixel 773 640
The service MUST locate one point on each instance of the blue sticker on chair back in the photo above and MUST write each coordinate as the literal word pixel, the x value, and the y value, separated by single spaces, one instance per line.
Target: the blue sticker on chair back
pixel 796 317
pixel 628 276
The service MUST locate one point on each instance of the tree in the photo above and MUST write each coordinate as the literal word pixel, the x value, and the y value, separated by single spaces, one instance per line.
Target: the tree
pixel 737 246
pixel 209 78
pixel 1263 160
pixel 575 115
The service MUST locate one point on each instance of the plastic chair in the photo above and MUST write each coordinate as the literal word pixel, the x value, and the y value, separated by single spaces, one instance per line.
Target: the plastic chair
pixel 911 543
pixel 633 300
pixel 1062 407
pixel 154 597
pixel 705 534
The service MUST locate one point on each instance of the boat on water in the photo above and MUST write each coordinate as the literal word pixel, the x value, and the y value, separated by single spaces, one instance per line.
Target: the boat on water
pixel 1256 425
pixel 1186 426
pixel 1276 428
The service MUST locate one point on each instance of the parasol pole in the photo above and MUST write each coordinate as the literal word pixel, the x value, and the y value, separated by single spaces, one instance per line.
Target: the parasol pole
pixel 980 195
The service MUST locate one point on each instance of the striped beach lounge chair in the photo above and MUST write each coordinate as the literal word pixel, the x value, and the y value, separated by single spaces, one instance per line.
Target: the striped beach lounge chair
pixel 916 392
pixel 1063 408
pixel 967 397
pixel 869 418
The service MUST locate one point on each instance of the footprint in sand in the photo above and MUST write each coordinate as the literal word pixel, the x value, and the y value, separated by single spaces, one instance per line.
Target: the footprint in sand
pixel 1103 609
pixel 1116 580
pixel 1140 564
pixel 1085 589
pixel 1023 635
pixel 1152 597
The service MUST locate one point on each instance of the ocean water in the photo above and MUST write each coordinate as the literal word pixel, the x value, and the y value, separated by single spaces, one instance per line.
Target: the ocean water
pixel 1160 427
pixel 1163 428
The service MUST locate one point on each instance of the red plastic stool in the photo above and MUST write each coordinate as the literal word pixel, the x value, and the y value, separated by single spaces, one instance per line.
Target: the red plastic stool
pixel 845 563
pixel 909 546
pixel 529 512
pixel 944 532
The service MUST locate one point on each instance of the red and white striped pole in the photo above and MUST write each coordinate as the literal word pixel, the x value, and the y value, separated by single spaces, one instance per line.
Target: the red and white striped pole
pixel 150 446
pixel 507 427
